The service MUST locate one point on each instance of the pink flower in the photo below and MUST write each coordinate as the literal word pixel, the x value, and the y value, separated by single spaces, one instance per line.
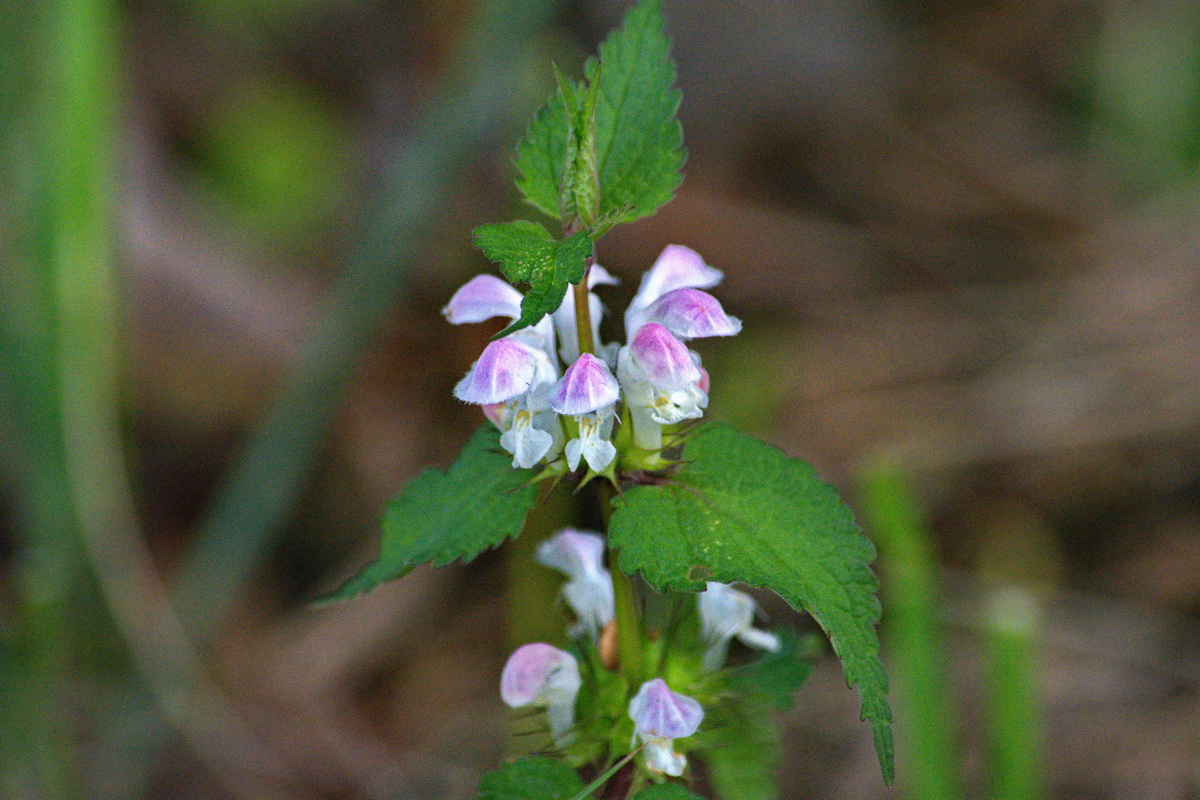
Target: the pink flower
pixel 539 674
pixel 659 717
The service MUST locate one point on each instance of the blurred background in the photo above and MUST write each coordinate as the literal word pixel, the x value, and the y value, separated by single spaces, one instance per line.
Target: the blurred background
pixel 963 237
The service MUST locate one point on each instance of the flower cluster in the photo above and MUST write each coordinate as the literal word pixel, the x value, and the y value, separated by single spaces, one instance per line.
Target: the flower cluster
pixel 539 675
pixel 651 381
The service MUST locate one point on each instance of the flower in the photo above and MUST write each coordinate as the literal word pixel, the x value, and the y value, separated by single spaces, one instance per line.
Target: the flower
pixel 539 674
pixel 659 717
pixel 514 376
pixel 662 381
pixel 725 613
pixel 589 591
pixel 588 392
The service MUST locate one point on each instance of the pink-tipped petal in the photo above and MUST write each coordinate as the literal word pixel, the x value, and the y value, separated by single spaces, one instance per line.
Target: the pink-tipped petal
pixel 504 370
pixel 540 674
pixel 662 358
pixel 587 386
pixel 677 267
pixel 659 712
pixel 692 314
pixel 481 298
pixel 573 552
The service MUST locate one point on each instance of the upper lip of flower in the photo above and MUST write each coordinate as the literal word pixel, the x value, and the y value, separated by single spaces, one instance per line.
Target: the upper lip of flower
pixel 661 713
pixel 586 387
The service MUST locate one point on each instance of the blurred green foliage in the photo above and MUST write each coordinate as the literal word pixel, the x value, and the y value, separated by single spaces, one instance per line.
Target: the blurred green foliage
pixel 279 155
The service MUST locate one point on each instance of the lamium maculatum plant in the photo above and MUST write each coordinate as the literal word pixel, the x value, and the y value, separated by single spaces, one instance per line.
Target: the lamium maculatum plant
pixel 637 707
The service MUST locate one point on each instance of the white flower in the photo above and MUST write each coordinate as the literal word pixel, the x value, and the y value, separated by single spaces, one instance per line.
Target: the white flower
pixel 662 381
pixel 588 591
pixel 725 613
pixel 514 376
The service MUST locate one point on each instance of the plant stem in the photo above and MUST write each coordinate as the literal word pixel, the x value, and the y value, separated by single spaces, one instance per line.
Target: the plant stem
pixel 629 628
pixel 583 309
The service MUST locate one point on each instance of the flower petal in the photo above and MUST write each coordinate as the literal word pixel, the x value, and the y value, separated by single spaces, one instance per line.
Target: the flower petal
pixel 677 267
pixel 692 314
pixel 505 369
pixel 574 553
pixel 661 713
pixel 540 674
pixel 481 298
pixel 587 386
pixel 662 359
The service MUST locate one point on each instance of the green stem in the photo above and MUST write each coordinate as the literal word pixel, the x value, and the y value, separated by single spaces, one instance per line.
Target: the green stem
pixel 629 627
pixel 583 310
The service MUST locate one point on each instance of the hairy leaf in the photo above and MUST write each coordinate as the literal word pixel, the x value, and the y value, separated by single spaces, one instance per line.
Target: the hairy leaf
pixel 441 517
pixel 740 510
pixel 639 142
pixel 531 779
pixel 541 157
pixel 549 280
pixel 627 121
pixel 521 248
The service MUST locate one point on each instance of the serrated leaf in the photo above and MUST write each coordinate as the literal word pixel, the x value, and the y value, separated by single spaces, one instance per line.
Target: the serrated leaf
pixel 740 510
pixel 666 791
pixel 549 280
pixel 541 157
pixel 639 141
pixel 441 517
pixel 531 779
pixel 521 248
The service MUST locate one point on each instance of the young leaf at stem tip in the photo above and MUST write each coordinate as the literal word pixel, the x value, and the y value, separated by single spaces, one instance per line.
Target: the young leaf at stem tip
pixel 441 517
pixel 746 512
pixel 638 142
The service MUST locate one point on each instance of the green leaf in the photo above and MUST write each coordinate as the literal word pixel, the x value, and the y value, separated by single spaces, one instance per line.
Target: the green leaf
pixel 521 248
pixel 541 157
pixel 549 280
pixel 666 791
pixel 531 779
pixel 446 516
pixel 623 135
pixel 639 141
pixel 776 676
pixel 743 764
pixel 740 510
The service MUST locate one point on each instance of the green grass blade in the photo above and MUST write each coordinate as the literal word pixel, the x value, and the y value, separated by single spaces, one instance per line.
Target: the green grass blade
pixel 925 728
